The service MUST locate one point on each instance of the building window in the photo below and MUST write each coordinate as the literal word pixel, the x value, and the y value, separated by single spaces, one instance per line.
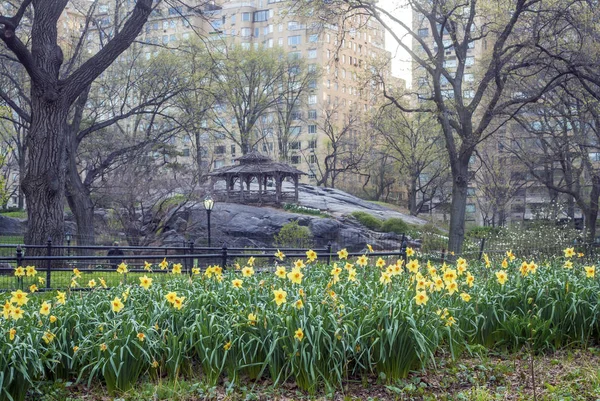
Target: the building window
pixel 450 63
pixel 186 152
pixel 245 32
pixel 233 19
pixel 313 38
pixel 220 150
pixel 312 144
pixel 294 40
pixel 312 84
pixel 312 53
pixel 312 159
pixel 296 115
pixel 423 32
pixel 294 55
pixel 470 208
pixel 260 16
pixel 469 77
pixel 295 145
pixel 232 150
pixel 295 159
pixel 312 114
pixel 469 61
pixel 312 99
pixel 469 94
pixel 312 128
pixel 245 16
pixel 295 130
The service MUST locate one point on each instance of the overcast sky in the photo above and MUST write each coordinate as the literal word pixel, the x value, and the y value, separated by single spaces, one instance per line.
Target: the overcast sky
pixel 400 59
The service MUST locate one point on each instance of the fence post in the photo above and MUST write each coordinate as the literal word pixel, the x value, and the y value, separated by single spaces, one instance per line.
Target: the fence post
pixel 443 255
pixel 191 265
pixel 19 263
pixel 481 246
pixel 403 246
pixel 224 256
pixel 329 253
pixel 48 262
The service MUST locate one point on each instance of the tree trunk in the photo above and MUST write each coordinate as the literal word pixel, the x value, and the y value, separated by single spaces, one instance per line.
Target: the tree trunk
pixel 80 202
pixel 44 181
pixel 412 197
pixel 458 207
pixel 592 213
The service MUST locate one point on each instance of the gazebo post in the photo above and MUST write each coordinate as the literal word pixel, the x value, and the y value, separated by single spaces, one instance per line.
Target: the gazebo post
pixel 277 188
pixel 260 178
pixel 241 178
pixel 227 186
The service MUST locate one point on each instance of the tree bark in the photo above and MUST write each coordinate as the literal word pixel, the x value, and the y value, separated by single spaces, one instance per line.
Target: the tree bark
pixel 412 197
pixel 591 215
pixel 458 207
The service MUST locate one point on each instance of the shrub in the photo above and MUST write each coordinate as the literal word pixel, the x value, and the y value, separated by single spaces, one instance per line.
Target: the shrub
pixel 483 232
pixel 292 235
pixel 432 239
pixel 367 220
pixel 395 225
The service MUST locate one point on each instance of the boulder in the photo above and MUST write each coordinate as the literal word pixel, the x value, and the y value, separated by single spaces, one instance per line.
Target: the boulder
pixel 9 225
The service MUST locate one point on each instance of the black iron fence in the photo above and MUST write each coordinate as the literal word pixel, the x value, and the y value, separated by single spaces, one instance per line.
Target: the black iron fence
pixel 59 267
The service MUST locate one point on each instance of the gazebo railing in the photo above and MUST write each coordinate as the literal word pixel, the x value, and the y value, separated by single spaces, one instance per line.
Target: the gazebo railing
pixel 252 196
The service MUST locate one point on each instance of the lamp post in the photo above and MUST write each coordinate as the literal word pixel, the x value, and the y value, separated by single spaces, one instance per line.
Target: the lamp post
pixel 68 238
pixel 208 205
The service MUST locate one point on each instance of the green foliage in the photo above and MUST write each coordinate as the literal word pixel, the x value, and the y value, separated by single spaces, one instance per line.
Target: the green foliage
pixel 292 234
pixel 395 225
pixel 483 232
pixel 367 220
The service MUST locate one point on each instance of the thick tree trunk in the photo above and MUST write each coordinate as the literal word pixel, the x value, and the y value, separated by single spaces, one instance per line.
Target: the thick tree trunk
pixel 460 173
pixel 44 181
pixel 80 202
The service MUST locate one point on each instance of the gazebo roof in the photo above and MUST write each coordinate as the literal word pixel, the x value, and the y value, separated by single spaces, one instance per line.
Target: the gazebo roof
pixel 256 163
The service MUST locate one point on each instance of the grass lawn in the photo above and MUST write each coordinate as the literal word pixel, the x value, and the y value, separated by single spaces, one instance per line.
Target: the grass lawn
pixel 564 375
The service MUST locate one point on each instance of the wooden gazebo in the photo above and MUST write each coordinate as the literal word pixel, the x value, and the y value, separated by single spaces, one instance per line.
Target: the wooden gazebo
pixel 255 167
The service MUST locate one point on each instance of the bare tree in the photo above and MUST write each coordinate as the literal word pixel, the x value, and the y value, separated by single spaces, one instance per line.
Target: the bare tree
pixel 53 92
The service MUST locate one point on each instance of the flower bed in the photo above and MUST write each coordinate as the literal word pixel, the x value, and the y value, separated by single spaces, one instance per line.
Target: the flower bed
pixel 304 321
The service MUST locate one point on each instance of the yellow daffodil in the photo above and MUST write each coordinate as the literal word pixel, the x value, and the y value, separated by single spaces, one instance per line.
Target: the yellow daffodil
pixel 11 334
pixel 141 336
pixel 147 266
pixel 33 288
pixel 227 346
pixel 380 263
pixel 117 305
pixel 16 313
pixel 41 280
pixel 279 255
pixel 248 271
pixel 19 297
pixel 145 282
pixel 421 298
pixel 252 318
pixel 6 310
pixel 30 271
pixel 103 282
pixel 178 303
pixel 48 337
pixel 251 261
pixel 450 321
pixel 122 268
pixel 451 287
pixel 413 266
pixel 487 260
pixel 299 264
pixel 504 263
pixel 351 274
pixel 343 254
pixel 580 254
pixel 501 276
pixel 438 283
pixel 195 271
pixel 450 275
pixel 385 278
pixel 75 348
pixel 299 304
pixel 335 270
pixel 237 283
pixel 19 272
pixel 348 266
pixel 510 255
pixel 370 248
pixel 74 283
pixel 465 297
pixel 176 269
pixel 280 296
pixel 295 276
pixel 299 334
pixel 92 283
pixel 422 284
pixel 532 267
pixel 362 260
pixel 280 272
pixel 171 296
pixel 76 273
pixel 396 269
pixel 45 308
pixel 568 264
pixel 569 252
pixel 590 271
pixel 52 319
pixel 410 252
pixel 164 264
pixel 103 347
pixel 470 279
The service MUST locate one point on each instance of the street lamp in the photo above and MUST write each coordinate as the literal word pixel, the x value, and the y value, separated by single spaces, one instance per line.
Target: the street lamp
pixel 208 205
pixel 68 238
